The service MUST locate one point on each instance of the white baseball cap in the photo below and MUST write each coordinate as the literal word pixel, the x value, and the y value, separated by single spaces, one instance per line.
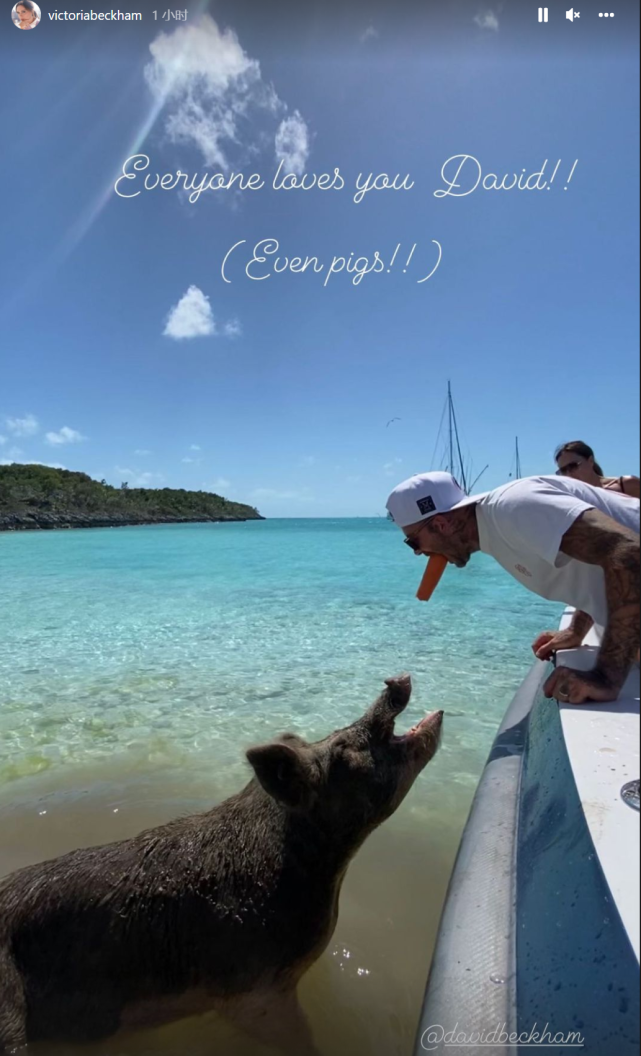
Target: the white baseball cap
pixel 417 499
pixel 423 496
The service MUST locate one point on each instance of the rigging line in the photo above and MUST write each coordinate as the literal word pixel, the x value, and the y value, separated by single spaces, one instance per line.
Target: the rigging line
pixel 460 456
pixel 439 434
pixel 450 434
pixel 473 485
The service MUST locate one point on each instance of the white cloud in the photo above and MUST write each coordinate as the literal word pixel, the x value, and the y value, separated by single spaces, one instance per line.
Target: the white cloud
pixel 30 462
pixel 487 20
pixel 3 440
pixel 262 494
pixel 220 483
pixel 209 87
pixel 188 460
pixel 65 436
pixel 371 33
pixel 391 468
pixel 27 426
pixel 191 317
pixel 142 452
pixel 232 328
pixel 292 143
pixel 139 480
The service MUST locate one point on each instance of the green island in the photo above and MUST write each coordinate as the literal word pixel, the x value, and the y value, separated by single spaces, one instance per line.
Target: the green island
pixel 34 496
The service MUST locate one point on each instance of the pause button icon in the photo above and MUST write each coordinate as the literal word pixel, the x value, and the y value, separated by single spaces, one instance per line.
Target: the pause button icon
pixel 543 14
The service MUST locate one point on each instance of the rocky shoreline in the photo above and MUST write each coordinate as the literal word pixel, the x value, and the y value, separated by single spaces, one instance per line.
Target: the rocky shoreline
pixel 52 522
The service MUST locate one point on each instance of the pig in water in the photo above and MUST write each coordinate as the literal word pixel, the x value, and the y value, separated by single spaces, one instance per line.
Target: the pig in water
pixel 224 910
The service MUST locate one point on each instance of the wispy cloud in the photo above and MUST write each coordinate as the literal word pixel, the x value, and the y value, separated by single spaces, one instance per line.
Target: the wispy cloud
pixel 210 89
pixel 139 480
pixel 191 317
pixel 64 436
pixel 487 20
pixel 371 33
pixel 308 460
pixel 391 468
pixel 3 440
pixel 142 452
pixel 292 143
pixel 30 462
pixel 27 426
pixel 265 494
pixel 222 483
pixel 232 328
pixel 189 460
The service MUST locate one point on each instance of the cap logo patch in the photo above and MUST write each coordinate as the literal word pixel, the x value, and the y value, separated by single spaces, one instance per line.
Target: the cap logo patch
pixel 426 505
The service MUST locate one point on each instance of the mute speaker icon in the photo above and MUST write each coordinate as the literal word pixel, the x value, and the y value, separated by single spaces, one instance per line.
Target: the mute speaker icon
pixel 571 14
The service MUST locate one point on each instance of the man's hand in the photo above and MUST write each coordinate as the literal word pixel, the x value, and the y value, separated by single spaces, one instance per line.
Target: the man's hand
pixel 550 642
pixel 580 687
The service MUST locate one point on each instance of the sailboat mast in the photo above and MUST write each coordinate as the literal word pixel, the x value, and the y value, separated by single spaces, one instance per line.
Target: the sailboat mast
pixel 459 472
pixel 518 460
pixel 450 406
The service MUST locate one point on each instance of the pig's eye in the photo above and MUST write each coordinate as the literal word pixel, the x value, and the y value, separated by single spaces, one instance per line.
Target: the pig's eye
pixel 292 738
pixel 347 756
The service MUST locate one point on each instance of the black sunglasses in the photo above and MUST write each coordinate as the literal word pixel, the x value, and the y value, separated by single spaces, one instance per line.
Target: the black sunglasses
pixel 413 542
pixel 563 471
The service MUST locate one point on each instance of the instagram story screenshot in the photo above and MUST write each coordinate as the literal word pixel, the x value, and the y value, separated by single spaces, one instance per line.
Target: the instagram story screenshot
pixel 319 528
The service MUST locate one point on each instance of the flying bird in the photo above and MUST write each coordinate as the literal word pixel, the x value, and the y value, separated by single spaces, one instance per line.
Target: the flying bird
pixel 392 420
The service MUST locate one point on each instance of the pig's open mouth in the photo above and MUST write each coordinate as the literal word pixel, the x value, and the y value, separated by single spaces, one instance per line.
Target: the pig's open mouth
pixel 430 725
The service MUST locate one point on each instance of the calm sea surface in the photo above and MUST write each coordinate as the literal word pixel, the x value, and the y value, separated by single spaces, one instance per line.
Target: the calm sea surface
pixel 137 664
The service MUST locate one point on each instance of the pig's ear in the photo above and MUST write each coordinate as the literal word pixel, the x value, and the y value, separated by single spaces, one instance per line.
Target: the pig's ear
pixel 283 773
pixel 399 691
pixel 391 703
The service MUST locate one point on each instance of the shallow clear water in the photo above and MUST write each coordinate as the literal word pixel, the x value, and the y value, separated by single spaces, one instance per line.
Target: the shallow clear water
pixel 136 665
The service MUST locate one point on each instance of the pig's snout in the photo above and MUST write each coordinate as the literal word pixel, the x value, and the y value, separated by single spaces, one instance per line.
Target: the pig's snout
pixel 429 727
pixel 432 725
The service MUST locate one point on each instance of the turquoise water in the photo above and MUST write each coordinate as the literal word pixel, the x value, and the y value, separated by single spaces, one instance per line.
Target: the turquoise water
pixel 137 664
pixel 169 641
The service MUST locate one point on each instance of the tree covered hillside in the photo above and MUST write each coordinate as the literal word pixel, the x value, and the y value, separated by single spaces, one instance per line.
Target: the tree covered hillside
pixel 33 496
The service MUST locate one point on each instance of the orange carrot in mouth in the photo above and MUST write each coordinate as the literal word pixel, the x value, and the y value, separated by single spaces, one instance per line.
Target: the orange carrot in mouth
pixel 435 568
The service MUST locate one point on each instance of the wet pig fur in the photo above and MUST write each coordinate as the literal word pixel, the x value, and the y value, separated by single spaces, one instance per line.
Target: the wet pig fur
pixel 224 910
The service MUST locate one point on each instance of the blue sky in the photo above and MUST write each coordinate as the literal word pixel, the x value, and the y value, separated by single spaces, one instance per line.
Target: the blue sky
pixel 126 355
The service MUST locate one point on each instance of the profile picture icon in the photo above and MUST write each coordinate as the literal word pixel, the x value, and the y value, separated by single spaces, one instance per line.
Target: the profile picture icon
pixel 26 14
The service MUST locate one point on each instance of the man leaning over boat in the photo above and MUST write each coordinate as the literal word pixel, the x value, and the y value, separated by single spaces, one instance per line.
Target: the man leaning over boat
pixel 562 539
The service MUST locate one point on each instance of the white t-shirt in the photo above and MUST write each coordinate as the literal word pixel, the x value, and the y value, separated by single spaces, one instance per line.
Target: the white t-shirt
pixel 522 524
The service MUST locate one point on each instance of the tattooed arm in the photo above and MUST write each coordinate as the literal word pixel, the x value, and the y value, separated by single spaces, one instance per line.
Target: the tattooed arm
pixel 581 624
pixel 596 539
pixel 546 644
